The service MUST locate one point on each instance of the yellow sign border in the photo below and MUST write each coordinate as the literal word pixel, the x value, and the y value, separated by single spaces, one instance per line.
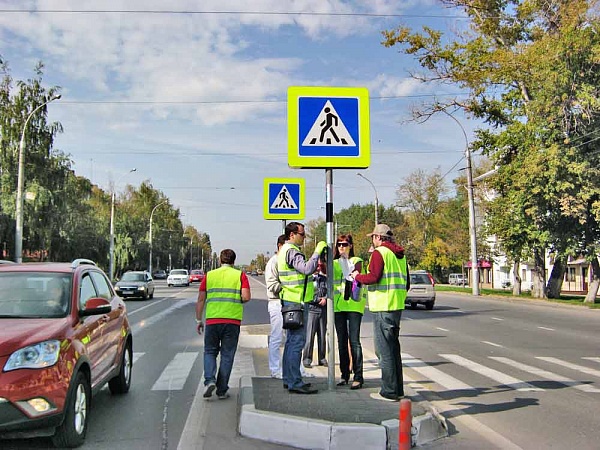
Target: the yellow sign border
pixel 362 161
pixel 284 216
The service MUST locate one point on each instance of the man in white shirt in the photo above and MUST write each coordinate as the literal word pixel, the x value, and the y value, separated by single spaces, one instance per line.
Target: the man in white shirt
pixel 274 308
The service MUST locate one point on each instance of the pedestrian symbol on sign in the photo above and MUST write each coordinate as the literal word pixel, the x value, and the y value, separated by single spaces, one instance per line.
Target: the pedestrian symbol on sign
pixel 328 130
pixel 284 200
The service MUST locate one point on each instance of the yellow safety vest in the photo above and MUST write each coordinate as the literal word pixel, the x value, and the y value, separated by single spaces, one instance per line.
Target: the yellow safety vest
pixel 292 281
pixel 339 284
pixel 389 293
pixel 224 294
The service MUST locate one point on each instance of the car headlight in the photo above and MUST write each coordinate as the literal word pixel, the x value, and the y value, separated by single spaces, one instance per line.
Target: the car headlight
pixel 38 356
pixel 142 288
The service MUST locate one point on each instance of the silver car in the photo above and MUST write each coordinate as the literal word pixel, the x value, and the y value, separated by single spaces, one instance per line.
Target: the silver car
pixel 178 277
pixel 422 290
pixel 135 284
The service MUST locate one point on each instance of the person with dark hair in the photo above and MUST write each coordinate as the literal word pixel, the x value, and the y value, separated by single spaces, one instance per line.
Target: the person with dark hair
pixel 348 311
pixel 388 281
pixel 316 326
pixel 294 271
pixel 274 308
pixel 223 291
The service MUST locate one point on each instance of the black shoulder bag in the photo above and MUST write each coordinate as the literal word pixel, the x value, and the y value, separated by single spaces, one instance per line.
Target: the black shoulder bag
pixel 293 315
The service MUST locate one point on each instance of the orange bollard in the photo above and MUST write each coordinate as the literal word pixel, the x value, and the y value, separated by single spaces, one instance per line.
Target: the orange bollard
pixel 404 441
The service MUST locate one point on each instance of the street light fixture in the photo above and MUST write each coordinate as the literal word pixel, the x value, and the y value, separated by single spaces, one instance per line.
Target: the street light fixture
pixel 150 236
pixel 472 230
pixel 20 183
pixel 376 199
pixel 111 269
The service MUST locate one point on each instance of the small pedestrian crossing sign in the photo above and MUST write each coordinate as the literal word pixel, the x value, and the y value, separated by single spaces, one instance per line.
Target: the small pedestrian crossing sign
pixel 328 127
pixel 284 198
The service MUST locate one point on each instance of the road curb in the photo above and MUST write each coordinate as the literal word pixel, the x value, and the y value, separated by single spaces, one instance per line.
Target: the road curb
pixel 305 433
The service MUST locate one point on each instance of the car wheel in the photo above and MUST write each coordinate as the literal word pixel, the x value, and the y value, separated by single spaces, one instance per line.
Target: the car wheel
pixel 151 295
pixel 429 305
pixel 71 433
pixel 122 382
pixel 169 285
pixel 413 306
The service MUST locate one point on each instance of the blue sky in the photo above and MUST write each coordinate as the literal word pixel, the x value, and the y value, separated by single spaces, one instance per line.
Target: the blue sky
pixel 196 101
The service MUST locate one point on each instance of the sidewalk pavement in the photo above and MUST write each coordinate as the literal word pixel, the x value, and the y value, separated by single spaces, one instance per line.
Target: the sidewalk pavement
pixel 332 419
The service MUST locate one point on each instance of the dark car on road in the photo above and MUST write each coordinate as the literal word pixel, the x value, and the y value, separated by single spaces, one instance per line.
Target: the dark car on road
pixel 160 275
pixel 422 289
pixel 135 284
pixel 64 334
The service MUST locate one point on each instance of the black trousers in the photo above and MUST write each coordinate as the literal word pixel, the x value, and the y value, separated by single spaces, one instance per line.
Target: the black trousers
pixel 347 327
pixel 315 326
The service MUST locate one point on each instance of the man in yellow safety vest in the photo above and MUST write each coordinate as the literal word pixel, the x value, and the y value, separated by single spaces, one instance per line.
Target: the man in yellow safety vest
pixel 387 282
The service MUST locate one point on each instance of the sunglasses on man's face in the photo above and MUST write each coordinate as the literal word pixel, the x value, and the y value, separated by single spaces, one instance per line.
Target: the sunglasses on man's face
pixel 343 244
pixel 301 234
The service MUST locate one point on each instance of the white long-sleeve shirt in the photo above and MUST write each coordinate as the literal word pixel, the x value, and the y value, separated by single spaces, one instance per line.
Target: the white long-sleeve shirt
pixel 272 279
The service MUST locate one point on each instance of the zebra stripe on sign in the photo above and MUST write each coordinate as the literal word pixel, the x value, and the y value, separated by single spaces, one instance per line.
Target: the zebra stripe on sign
pixel 174 376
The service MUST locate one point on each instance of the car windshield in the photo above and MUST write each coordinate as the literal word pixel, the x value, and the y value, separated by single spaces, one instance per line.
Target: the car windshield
pixel 131 276
pixel 419 278
pixel 197 272
pixel 34 294
pixel 178 272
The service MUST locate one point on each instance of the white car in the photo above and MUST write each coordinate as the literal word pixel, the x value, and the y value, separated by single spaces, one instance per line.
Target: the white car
pixel 178 277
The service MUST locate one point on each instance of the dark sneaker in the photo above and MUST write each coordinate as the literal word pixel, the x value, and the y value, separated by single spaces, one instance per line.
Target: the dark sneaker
pixel 323 362
pixel 306 363
pixel 223 396
pixel 303 390
pixel 209 389
pixel 285 386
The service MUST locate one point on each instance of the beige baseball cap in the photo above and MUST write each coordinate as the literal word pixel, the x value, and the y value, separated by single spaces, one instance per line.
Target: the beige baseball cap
pixel 381 230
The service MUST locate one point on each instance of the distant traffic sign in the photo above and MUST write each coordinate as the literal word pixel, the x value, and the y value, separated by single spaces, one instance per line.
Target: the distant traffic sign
pixel 284 198
pixel 328 127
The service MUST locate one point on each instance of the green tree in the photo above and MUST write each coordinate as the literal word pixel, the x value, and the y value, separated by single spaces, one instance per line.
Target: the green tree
pixel 529 70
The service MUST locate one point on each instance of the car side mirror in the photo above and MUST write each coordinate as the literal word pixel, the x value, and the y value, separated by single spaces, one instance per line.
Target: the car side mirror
pixel 95 306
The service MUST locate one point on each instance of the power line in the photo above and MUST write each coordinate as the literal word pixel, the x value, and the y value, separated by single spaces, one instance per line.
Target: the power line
pixel 250 13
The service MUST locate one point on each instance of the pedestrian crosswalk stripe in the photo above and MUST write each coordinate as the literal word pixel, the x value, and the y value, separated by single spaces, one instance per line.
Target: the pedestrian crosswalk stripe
pixel 175 374
pixel 434 374
pixel 488 372
pixel 547 375
pixel 592 358
pixel 136 356
pixel 569 365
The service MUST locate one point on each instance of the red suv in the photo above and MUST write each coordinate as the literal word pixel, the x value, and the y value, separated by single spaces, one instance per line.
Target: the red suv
pixel 64 334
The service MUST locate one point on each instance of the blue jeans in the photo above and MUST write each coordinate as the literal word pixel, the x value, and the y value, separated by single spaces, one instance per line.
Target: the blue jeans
pixel 347 327
pixel 292 353
pixel 386 331
pixel 223 338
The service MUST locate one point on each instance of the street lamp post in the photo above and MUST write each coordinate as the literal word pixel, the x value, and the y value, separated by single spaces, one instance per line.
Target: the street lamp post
pixel 376 199
pixel 111 269
pixel 472 229
pixel 20 184
pixel 150 236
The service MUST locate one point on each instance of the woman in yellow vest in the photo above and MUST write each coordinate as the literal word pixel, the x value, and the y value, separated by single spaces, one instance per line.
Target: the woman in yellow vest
pixel 348 311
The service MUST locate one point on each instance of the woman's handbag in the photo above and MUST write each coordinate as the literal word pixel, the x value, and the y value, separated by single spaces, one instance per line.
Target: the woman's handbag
pixel 293 315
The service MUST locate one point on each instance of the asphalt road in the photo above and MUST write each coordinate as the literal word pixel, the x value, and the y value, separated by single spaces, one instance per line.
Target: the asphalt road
pixel 505 375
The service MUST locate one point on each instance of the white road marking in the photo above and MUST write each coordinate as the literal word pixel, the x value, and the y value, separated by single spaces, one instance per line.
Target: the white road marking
pixel 442 329
pixel 492 344
pixel 592 358
pixel 569 365
pixel 493 374
pixel 136 356
pixel 547 329
pixel 164 313
pixel 496 318
pixel 131 313
pixel 547 375
pixel 175 374
pixel 434 374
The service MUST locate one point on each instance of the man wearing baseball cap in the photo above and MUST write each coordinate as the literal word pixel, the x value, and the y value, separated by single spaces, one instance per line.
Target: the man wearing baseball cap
pixel 387 282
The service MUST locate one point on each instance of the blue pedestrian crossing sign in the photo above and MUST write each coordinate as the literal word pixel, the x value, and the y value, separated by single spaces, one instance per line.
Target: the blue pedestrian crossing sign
pixel 284 198
pixel 328 127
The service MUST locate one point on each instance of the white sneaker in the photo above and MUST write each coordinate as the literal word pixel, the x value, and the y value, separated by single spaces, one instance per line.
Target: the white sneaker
pixel 209 389
pixel 277 375
pixel 378 396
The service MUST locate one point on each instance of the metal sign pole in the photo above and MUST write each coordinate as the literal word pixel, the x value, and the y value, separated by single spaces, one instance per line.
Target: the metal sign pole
pixel 330 311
